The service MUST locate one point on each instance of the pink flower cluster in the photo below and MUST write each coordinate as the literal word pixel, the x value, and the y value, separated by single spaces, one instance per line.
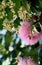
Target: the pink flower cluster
pixel 26 35
pixel 27 61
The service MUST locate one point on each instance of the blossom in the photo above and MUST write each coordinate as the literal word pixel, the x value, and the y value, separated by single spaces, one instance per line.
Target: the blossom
pixel 26 61
pixel 34 39
pixel 23 14
pixel 24 30
pixel 25 34
pixel 8 25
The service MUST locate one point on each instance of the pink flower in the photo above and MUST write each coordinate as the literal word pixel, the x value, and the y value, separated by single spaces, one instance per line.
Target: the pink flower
pixel 26 35
pixel 21 61
pixel 34 39
pixel 27 61
pixel 24 30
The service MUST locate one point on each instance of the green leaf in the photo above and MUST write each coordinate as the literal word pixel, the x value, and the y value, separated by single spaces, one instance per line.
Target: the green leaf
pixel 38 27
pixel 8 39
pixel 40 54
pixel 0 63
pixel 26 5
pixel 33 9
pixel 17 5
pixel 40 5
pixel 33 54
pixel 0 40
pixel 7 0
pixel 1 46
pixel 0 1
pixel 1 22
pixel 17 22
pixel 41 19
pixel 2 50
pixel 9 13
